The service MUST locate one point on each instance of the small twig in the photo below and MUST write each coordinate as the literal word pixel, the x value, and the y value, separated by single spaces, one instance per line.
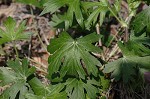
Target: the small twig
pixel 98 32
pixel 39 64
pixel 100 41
pixel 114 50
pixel 126 37
pixel 41 41
pixel 46 41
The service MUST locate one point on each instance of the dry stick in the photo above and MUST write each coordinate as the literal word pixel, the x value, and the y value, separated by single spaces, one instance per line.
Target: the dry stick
pixel 114 50
pixel 126 35
pixel 46 41
pixel 38 67
pixel 100 41
pixel 29 49
pixel 110 55
pixel 127 20
pixel 98 32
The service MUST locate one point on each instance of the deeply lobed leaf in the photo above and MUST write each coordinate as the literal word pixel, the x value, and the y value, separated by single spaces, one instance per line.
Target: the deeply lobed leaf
pixel 68 54
pixel 42 91
pixel 15 79
pixel 142 21
pixel 13 33
pixel 125 68
pixel 97 14
pixel 140 45
pixel 73 10
pixel 76 89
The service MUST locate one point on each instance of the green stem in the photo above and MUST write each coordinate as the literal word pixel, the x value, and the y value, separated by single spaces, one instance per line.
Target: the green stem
pixel 31 10
pixel 41 41
pixel 15 48
pixel 120 21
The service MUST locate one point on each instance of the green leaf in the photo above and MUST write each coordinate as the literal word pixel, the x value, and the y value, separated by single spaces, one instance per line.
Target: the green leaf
pixel 60 21
pixel 56 96
pixel 71 52
pixel 105 83
pixel 117 5
pixel 15 79
pixel 87 5
pixel 121 68
pixel 45 92
pixel 140 45
pixel 76 89
pixel 125 67
pixel 37 3
pixel 98 9
pixel 146 1
pixel 13 33
pixel 141 21
pixel 73 9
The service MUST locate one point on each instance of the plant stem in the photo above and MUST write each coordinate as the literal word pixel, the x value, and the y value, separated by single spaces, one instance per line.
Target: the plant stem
pixel 120 21
pixel 31 10
pixel 15 48
pixel 41 40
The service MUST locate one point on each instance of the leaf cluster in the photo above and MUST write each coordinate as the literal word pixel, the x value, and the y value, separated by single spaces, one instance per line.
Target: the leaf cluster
pixel 72 62
pixel 12 32
pixel 20 83
pixel 16 79
pixel 73 67
pixel 84 13
pixel 136 52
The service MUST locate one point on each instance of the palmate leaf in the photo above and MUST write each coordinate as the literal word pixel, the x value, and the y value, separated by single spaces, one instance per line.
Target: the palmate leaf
pixel 13 33
pixel 140 45
pixel 71 52
pixel 98 9
pixel 76 89
pixel 74 9
pixel 141 21
pixel 16 79
pixel 42 91
pixel 60 21
pixel 125 67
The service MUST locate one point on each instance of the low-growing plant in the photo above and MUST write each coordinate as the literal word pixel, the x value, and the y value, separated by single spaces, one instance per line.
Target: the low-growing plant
pixel 12 33
pixel 75 70
pixel 20 83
